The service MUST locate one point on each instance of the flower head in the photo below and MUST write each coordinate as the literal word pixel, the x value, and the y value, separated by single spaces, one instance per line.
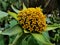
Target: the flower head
pixel 32 19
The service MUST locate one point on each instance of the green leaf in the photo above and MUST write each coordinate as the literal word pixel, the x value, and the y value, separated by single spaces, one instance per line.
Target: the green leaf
pixel 1 40
pixel 48 20
pixel 14 15
pixel 24 42
pixel 41 38
pixel 24 7
pixel 52 27
pixel 13 23
pixel 31 40
pixel 46 36
pixel 16 39
pixel 14 9
pixel 25 31
pixel 0 1
pixel 12 31
pixel 11 39
pixel 3 14
pixel 28 40
pixel 17 5
pixel 4 4
pixel 23 39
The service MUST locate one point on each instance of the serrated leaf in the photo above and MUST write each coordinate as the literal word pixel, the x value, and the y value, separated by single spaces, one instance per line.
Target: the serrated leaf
pixel 40 38
pixel 3 14
pixel 12 31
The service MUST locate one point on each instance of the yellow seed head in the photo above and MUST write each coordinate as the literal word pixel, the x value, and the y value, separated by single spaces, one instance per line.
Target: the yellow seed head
pixel 32 19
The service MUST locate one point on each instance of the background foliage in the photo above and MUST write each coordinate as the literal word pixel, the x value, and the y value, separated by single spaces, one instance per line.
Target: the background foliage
pixel 11 32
